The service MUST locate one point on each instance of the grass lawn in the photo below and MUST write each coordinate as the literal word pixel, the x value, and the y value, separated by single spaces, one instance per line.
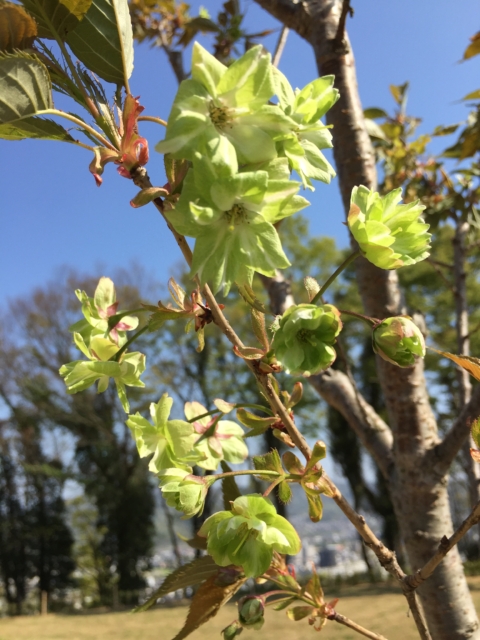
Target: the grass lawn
pixel 381 610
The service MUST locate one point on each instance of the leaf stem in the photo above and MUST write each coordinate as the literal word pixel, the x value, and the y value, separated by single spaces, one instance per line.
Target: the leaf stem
pixel 247 472
pixel 335 275
pixel 272 486
pixel 238 405
pixel 121 351
pixel 152 119
pixel 367 319
pixel 80 123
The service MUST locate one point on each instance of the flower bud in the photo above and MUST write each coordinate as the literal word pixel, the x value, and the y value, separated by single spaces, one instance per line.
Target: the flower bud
pixel 390 235
pixel 304 339
pixel 251 610
pixel 184 492
pixel 232 631
pixel 399 341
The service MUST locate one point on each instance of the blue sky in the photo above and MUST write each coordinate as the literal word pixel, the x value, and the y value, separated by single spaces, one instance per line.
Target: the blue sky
pixel 53 215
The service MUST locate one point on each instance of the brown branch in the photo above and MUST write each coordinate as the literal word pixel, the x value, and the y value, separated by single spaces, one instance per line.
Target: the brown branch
pixel 340 35
pixel 282 41
pixel 444 453
pixel 337 617
pixel 446 544
pixel 417 614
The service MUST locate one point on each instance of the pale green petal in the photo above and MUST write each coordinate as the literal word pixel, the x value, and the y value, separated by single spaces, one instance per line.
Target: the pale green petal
pixel 104 294
pixel 206 69
pixel 252 143
pixel 248 82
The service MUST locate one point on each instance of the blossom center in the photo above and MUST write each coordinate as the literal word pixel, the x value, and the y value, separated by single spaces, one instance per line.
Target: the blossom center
pixel 306 335
pixel 220 116
pixel 236 215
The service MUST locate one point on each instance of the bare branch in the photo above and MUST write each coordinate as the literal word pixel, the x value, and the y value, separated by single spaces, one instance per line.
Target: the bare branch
pixel 356 627
pixel 341 393
pixel 282 41
pixel 415 580
pixel 340 35
pixel 444 453
pixel 417 614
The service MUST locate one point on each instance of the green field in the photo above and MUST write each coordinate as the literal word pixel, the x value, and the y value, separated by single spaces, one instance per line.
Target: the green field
pixel 381 610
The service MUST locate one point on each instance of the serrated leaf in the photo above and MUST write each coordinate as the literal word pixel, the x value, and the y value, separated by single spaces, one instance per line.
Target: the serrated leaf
pixel 284 492
pixel 312 287
pixel 315 507
pixel 293 464
pixel 159 318
pixel 25 87
pixel 230 490
pixel 186 576
pixel 147 195
pixel 197 542
pixel 250 298
pixel 63 16
pixel 103 41
pixel 259 328
pixel 475 431
pixel 249 353
pixel 469 363
pixel 34 127
pixel 17 29
pixel 206 603
pixel 268 462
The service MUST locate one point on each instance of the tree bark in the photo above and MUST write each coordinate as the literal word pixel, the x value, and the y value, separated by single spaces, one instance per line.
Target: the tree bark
pixel 418 487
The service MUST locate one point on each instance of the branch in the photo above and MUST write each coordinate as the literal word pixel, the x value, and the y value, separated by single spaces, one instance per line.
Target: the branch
pixel 293 15
pixel 356 627
pixel 444 453
pixel 446 544
pixel 340 35
pixel 282 41
pixel 340 392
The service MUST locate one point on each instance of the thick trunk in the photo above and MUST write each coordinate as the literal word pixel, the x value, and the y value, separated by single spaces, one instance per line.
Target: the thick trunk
pixel 418 491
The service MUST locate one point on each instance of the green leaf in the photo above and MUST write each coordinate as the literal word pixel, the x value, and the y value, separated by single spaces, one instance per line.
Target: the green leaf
pixel 185 576
pixel 103 41
pixel 284 492
pixel 207 601
pixel 445 131
pixel 298 613
pixel 373 113
pixel 25 87
pixel 253 421
pixel 312 287
pixel 17 29
pixel 259 329
pixel 268 462
pixel 230 490
pixel 399 92
pixel 63 16
pixel 374 130
pixel 33 127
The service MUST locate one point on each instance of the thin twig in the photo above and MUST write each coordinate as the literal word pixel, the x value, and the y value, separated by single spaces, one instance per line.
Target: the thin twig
pixel 282 41
pixel 442 275
pixel 415 580
pixel 152 119
pixel 337 617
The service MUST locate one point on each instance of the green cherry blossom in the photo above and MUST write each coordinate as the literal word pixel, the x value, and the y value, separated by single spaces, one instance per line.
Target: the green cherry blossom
pixel 98 310
pixel 303 145
pixel 229 103
pixel 81 374
pixel 170 441
pixel 390 235
pixel 224 443
pixel 248 535
pixel 185 492
pixel 303 342
pixel 231 216
pixel 399 341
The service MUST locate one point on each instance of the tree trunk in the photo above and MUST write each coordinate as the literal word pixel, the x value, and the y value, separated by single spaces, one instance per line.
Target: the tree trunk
pixel 418 488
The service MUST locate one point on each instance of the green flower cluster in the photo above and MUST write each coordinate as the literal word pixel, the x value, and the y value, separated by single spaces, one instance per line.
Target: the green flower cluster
pixel 303 342
pixel 248 535
pixel 390 235
pixel 399 341
pixel 242 150
pixel 99 339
